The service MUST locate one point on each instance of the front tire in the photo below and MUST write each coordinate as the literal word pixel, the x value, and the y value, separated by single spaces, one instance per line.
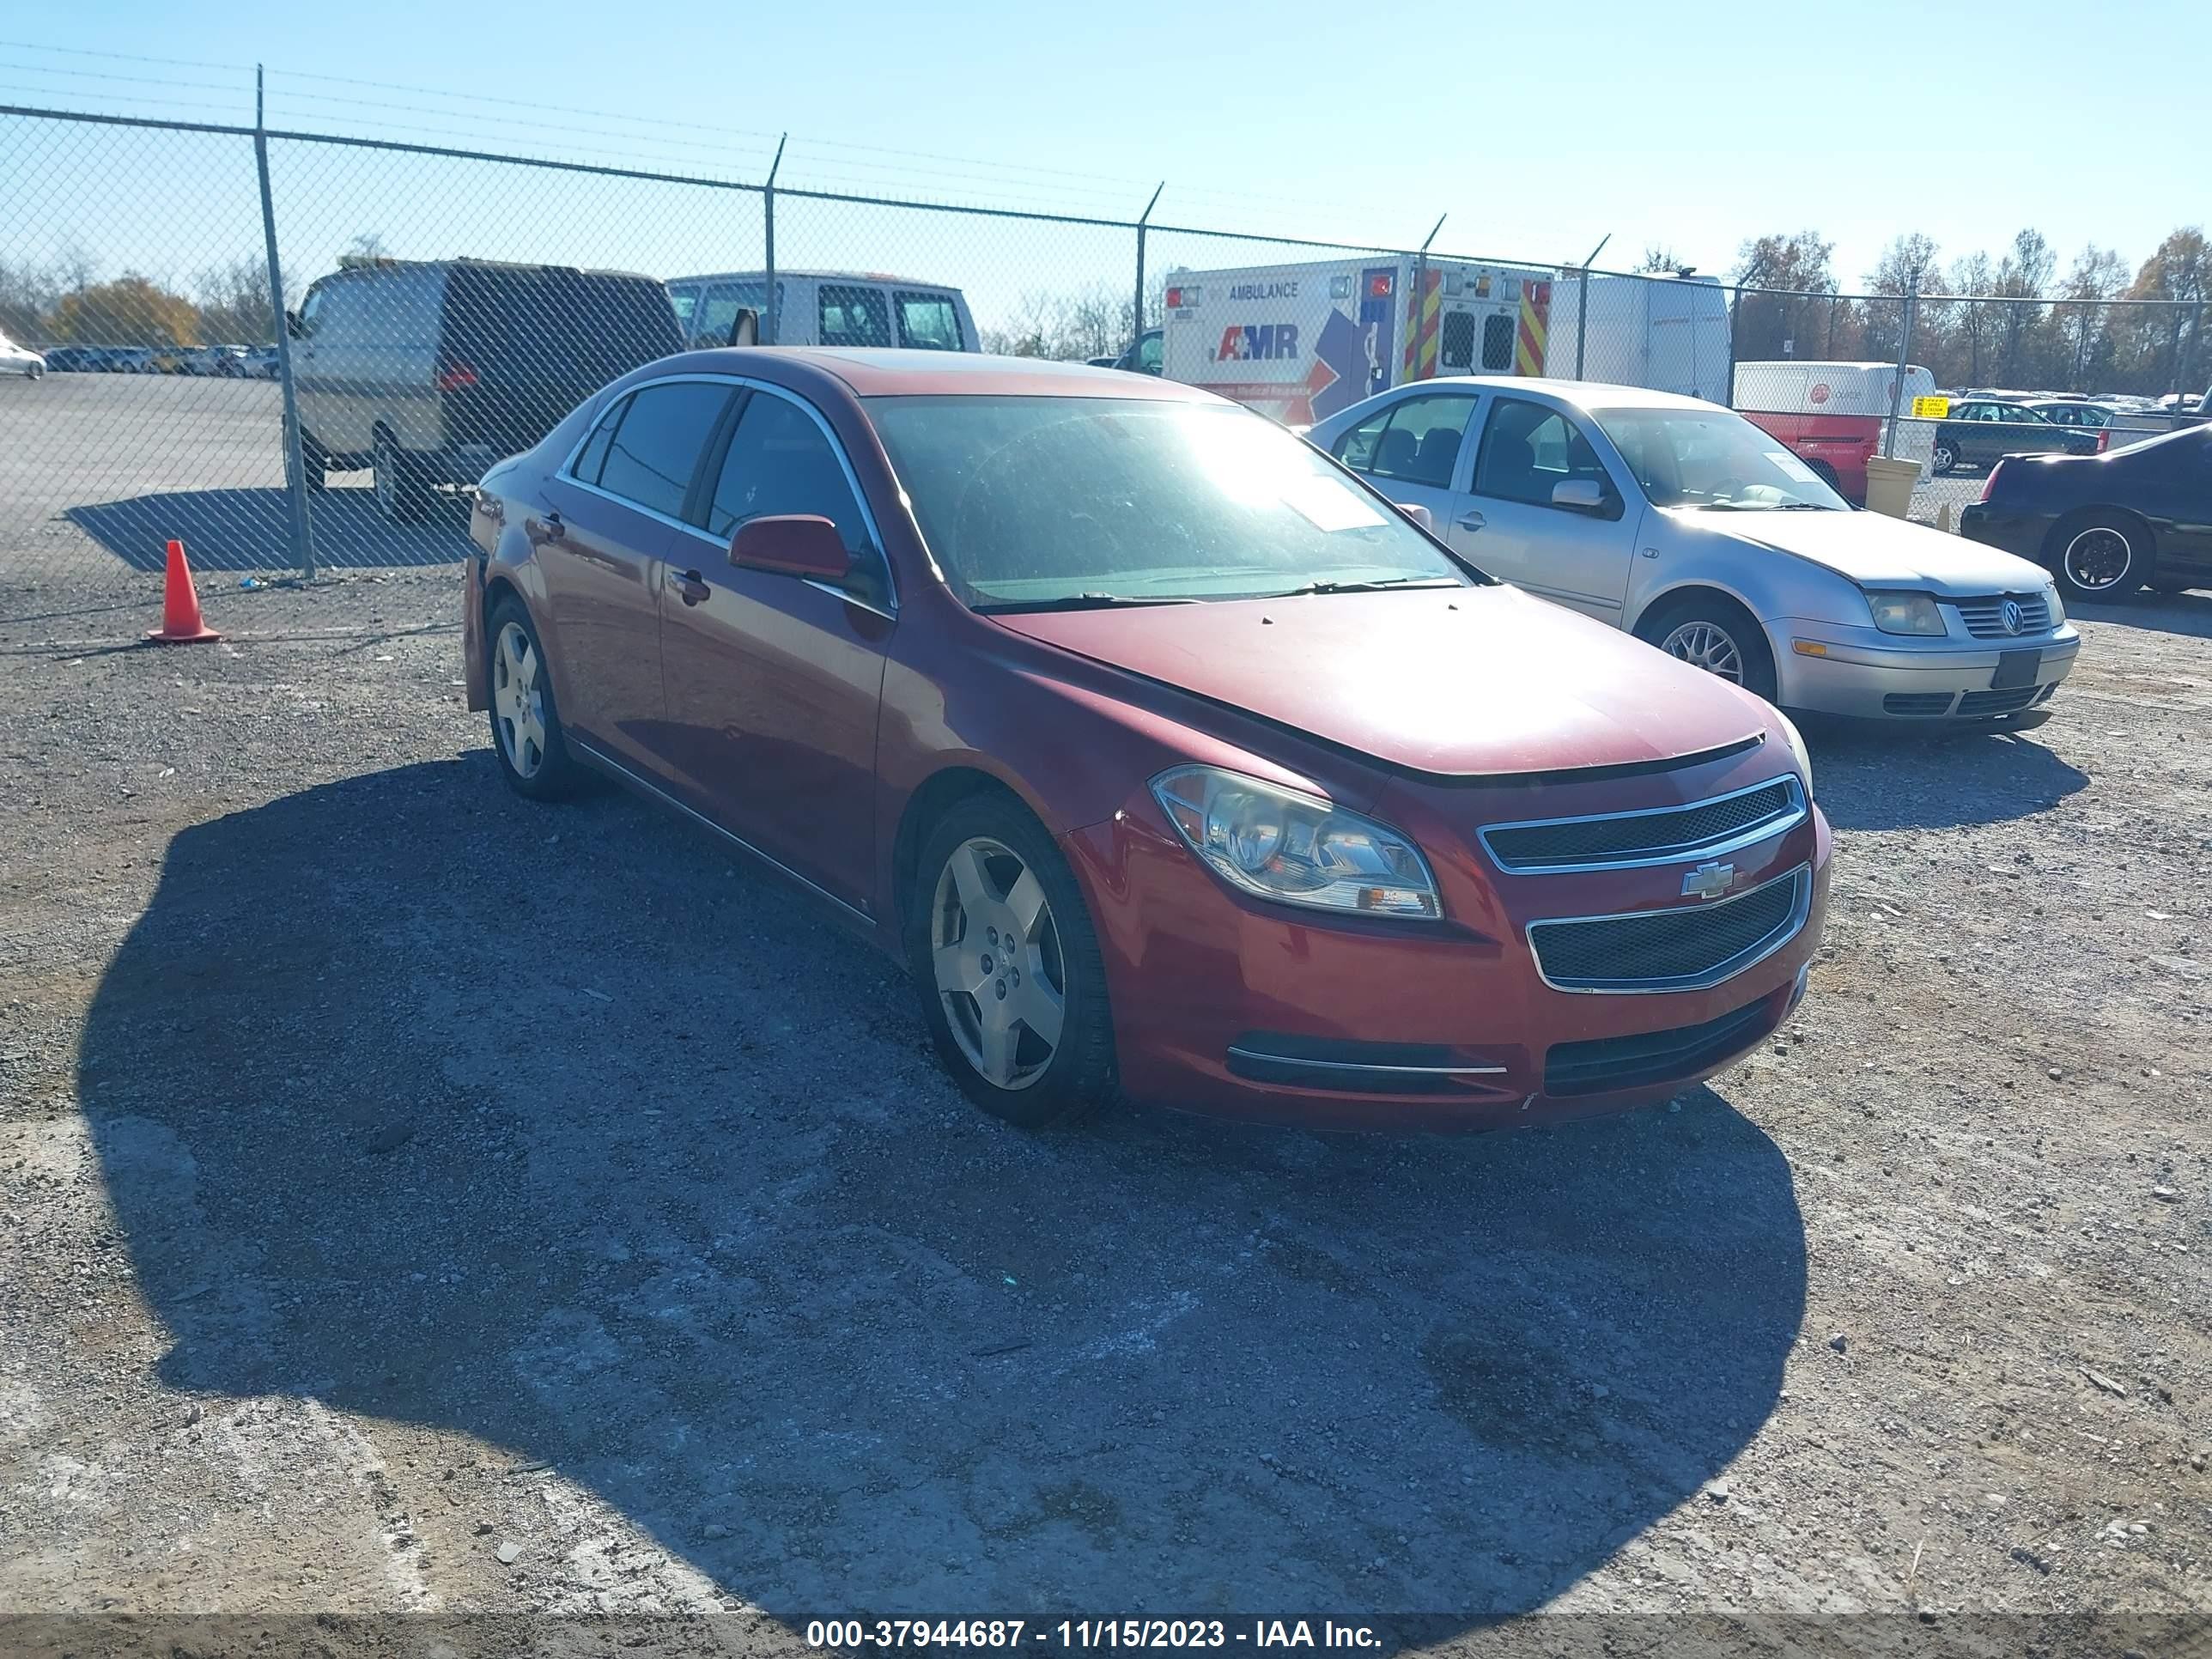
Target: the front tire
pixel 1943 460
pixel 1717 635
pixel 525 724
pixel 402 494
pixel 1007 963
pixel 2101 556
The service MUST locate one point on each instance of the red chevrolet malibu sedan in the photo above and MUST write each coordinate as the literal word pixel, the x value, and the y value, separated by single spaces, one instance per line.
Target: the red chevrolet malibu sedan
pixel 1172 760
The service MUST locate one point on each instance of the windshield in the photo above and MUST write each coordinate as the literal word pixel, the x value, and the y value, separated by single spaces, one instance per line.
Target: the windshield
pixel 1711 457
pixel 1028 502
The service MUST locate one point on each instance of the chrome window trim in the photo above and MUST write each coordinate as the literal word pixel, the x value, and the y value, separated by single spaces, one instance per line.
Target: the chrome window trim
pixel 1681 852
pixel 1742 962
pixel 1242 1052
pixel 782 869
pixel 567 474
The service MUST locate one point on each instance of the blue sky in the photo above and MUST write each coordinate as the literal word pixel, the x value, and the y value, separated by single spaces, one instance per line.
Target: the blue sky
pixel 1537 128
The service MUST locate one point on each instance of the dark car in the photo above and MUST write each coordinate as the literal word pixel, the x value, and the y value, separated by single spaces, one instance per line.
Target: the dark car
pixel 2107 524
pixel 1171 759
pixel 1980 432
pixel 429 371
pixel 2073 412
pixel 74 359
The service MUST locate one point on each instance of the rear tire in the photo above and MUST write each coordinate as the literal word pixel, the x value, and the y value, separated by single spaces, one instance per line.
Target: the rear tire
pixel 526 734
pixel 1012 985
pixel 314 466
pixel 1943 460
pixel 2099 557
pixel 1714 633
pixel 403 494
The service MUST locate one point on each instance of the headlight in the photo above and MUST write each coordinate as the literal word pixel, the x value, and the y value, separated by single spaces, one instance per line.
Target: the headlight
pixel 1906 613
pixel 1797 748
pixel 1295 848
pixel 2050 598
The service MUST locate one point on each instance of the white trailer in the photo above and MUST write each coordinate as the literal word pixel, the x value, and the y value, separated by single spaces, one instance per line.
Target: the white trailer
pixel 1300 342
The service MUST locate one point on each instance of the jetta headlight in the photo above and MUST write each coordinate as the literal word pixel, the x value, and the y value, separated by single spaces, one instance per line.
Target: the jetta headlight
pixel 1906 613
pixel 2050 598
pixel 1294 848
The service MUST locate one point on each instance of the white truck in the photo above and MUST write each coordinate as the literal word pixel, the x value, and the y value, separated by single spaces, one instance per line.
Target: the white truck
pixel 1299 341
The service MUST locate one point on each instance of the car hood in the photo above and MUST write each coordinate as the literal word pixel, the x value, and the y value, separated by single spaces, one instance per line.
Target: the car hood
pixel 1458 682
pixel 1876 550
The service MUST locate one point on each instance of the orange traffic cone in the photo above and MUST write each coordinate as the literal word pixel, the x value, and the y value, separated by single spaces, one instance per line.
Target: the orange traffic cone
pixel 181 624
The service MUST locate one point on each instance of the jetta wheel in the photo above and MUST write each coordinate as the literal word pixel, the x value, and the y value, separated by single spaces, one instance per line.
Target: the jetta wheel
pixel 2100 558
pixel 1708 645
pixel 525 726
pixel 1713 632
pixel 1010 967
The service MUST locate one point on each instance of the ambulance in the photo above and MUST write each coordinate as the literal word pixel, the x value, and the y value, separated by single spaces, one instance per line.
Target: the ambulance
pixel 1300 342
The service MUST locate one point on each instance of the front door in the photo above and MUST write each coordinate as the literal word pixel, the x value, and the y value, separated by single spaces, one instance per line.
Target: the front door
pixel 1511 526
pixel 772 683
pixel 603 546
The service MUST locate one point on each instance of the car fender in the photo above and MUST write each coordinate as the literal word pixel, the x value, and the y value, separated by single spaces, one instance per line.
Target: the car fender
pixel 1769 583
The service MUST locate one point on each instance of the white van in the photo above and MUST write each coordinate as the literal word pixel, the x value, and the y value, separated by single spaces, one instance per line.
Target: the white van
pixel 1834 416
pixel 825 307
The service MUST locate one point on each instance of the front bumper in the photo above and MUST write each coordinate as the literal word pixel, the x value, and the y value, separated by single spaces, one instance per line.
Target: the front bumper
pixel 1859 673
pixel 1232 1007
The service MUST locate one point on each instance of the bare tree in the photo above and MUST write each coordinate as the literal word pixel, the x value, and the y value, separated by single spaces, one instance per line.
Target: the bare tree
pixel 1658 257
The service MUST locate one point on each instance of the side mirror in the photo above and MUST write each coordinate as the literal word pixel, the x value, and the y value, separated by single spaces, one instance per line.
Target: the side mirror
pixel 1421 515
pixel 1581 495
pixel 744 327
pixel 293 326
pixel 802 544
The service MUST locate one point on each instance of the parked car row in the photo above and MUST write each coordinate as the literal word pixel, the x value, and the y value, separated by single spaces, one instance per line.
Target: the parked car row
pixel 225 362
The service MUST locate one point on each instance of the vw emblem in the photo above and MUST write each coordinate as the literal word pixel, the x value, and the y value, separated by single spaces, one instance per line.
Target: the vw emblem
pixel 2013 616
pixel 1709 881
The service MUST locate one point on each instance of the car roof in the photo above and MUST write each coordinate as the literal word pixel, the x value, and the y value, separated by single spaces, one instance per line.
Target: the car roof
pixel 1579 394
pixel 782 272
pixel 892 372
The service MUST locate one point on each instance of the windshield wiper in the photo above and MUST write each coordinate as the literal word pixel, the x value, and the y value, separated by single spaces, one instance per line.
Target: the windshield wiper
pixel 1374 586
pixel 1808 506
pixel 1074 602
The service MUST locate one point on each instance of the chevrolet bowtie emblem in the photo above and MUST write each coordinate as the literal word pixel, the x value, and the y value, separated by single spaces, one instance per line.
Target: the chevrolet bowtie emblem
pixel 1709 881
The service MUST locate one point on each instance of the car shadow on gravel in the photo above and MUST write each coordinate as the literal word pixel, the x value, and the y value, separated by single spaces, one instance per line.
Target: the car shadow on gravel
pixel 1877 777
pixel 2188 615
pixel 251 530
pixel 550 1127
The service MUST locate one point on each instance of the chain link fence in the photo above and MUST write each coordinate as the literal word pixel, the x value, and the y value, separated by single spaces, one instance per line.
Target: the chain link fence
pixel 450 306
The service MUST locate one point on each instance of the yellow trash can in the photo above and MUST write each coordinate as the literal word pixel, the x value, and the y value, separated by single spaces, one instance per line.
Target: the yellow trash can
pixel 1889 485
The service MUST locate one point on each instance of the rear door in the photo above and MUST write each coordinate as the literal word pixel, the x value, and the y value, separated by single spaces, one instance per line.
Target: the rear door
pixel 604 549
pixel 772 683
pixel 851 314
pixel 1414 450
pixel 1512 529
pixel 520 346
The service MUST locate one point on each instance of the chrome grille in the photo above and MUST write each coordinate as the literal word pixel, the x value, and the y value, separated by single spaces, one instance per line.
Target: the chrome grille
pixel 1985 617
pixel 1683 949
pixel 1663 835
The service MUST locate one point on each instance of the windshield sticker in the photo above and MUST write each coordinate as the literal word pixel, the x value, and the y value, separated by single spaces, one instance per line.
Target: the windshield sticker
pixel 1792 467
pixel 1329 506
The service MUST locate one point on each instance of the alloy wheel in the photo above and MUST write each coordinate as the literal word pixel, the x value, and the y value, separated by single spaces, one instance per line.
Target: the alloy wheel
pixel 2098 559
pixel 1708 645
pixel 518 700
pixel 996 954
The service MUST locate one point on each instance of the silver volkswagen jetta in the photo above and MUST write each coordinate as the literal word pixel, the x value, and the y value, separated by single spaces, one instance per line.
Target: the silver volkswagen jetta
pixel 1685 524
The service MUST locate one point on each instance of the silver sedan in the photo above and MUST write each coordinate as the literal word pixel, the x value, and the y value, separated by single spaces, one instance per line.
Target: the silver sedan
pixel 1683 523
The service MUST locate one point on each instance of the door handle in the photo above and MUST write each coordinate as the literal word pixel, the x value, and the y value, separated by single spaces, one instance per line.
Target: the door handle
pixel 690 585
pixel 548 528
pixel 1471 520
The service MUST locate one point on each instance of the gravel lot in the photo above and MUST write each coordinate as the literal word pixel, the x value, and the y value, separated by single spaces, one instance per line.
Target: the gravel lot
pixel 414 1199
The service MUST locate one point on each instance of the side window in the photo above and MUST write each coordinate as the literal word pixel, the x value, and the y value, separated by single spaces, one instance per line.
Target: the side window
pixel 719 305
pixel 592 456
pixel 928 322
pixel 1421 444
pixel 854 316
pixel 1356 448
pixel 336 309
pixel 311 310
pixel 1527 450
pixel 1150 352
pixel 1497 344
pixel 684 301
pixel 780 462
pixel 656 444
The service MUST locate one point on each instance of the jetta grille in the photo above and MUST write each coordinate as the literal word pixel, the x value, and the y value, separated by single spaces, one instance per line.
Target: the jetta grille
pixel 1659 836
pixel 1683 949
pixel 1985 620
